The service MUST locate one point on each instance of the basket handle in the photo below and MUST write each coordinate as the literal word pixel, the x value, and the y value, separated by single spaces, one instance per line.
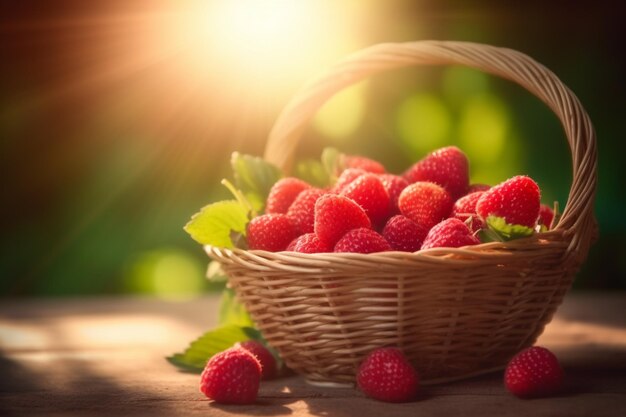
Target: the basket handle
pixel 577 219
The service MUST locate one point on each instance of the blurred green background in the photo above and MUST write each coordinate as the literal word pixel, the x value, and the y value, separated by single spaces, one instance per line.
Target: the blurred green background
pixel 117 120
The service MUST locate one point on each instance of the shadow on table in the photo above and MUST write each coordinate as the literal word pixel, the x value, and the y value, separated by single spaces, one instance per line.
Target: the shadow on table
pixel 66 386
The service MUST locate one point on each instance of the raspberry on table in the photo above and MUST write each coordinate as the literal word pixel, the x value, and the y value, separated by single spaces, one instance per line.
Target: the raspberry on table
pixel 263 355
pixel 231 377
pixel 270 232
pixel 386 375
pixel 533 372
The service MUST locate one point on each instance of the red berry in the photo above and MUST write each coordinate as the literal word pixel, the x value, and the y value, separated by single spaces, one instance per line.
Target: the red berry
pixel 308 243
pixel 361 162
pixel 263 355
pixel 477 187
pixel 450 233
pixel 386 375
pixel 271 232
pixel 362 240
pixel 369 193
pixel 425 203
pixel 546 215
pixel 404 234
pixel 302 210
pixel 517 200
pixel 346 178
pixel 394 185
pixel 335 215
pixel 465 207
pixel 231 377
pixel 534 372
pixel 447 167
pixel 283 193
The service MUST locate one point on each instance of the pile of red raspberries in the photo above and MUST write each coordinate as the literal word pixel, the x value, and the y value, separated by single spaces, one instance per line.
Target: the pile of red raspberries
pixel 368 210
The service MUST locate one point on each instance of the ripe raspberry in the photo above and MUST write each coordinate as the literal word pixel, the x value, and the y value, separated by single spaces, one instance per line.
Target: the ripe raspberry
pixel 361 162
pixel 394 185
pixel 302 210
pixel 271 232
pixel 263 355
pixel 425 203
pixel 447 167
pixel 404 234
pixel 283 193
pixel 386 375
pixel 335 215
pixel 465 207
pixel 534 372
pixel 346 178
pixel 450 233
pixel 369 193
pixel 308 243
pixel 546 215
pixel 517 200
pixel 477 187
pixel 231 377
pixel 362 240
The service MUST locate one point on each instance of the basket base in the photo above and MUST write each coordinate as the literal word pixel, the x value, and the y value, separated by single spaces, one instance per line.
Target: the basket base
pixel 329 384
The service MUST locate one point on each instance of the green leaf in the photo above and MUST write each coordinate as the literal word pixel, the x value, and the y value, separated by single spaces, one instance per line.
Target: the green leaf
pixel 313 172
pixel 214 223
pixel 331 160
pixel 507 231
pixel 232 312
pixel 254 176
pixel 195 357
pixel 488 235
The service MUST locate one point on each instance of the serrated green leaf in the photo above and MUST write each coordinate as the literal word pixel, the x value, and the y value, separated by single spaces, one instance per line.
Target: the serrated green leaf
pixel 254 176
pixel 194 358
pixel 214 223
pixel 488 235
pixel 313 172
pixel 507 231
pixel 232 312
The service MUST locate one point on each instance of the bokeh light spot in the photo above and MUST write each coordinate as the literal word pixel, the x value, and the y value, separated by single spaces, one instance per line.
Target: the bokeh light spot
pixel 166 273
pixel 342 115
pixel 423 122
pixel 461 83
pixel 483 128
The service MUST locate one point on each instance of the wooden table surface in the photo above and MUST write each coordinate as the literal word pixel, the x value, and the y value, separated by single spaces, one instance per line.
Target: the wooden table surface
pixel 104 357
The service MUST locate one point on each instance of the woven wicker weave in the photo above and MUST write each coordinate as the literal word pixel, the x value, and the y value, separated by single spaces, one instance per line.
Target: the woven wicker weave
pixel 454 312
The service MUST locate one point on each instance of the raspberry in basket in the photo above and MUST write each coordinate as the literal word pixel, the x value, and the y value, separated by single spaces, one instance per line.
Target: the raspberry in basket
pixel 302 210
pixel 465 207
pixel 370 193
pixel 346 178
pixel 425 203
pixel 450 233
pixel 394 184
pixel 271 232
pixel 447 167
pixel 517 200
pixel 404 234
pixel 335 215
pixel 308 243
pixel 362 240
pixel 283 193
pixel 361 162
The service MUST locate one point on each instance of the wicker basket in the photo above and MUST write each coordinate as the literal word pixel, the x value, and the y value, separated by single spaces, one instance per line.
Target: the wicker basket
pixel 455 312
